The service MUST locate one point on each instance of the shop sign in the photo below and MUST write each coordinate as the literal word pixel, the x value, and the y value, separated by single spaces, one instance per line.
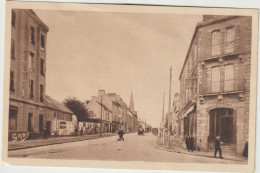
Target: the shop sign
pixel 220 105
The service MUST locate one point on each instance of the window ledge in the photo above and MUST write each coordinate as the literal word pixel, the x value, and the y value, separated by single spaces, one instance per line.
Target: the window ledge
pixel 221 93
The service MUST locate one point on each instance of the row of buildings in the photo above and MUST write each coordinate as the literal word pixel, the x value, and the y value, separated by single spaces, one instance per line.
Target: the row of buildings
pixel 215 84
pixel 114 112
pixel 31 110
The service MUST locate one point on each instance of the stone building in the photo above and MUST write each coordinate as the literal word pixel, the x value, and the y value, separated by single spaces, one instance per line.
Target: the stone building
pixel 102 107
pixel 29 108
pixel 27 71
pixel 214 83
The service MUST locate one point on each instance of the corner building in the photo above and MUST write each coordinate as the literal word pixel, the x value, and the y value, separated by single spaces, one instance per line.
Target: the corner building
pixel 27 72
pixel 215 83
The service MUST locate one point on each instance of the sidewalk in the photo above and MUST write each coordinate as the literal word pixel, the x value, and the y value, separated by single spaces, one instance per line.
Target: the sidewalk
pixel 178 146
pixel 17 145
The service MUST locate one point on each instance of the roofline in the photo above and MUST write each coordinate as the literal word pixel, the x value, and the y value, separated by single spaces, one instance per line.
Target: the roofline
pixel 37 19
pixel 201 24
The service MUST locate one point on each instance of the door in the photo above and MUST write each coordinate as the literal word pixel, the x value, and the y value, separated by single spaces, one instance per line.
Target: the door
pixel 30 128
pixel 226 129
pixel 41 124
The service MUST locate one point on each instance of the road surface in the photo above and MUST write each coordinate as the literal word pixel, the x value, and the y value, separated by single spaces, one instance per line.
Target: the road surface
pixel 134 148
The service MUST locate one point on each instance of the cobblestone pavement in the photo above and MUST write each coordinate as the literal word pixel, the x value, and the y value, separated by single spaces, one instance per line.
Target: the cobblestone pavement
pixel 134 148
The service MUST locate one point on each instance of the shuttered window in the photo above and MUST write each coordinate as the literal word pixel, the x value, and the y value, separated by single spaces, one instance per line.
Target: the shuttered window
pixel 216 42
pixel 229 77
pixel 215 77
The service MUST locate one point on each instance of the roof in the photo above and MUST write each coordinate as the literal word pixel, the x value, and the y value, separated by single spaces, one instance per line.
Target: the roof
pixel 51 103
pixel 201 24
pixel 37 19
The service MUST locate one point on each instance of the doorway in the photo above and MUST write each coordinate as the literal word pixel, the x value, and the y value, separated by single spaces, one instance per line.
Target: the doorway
pixel 41 124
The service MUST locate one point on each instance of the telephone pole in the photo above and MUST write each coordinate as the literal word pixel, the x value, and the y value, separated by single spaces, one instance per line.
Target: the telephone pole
pixel 169 107
pixel 163 131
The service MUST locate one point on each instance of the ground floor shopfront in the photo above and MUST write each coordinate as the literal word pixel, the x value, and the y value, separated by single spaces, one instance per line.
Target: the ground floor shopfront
pixel 33 119
pixel 228 120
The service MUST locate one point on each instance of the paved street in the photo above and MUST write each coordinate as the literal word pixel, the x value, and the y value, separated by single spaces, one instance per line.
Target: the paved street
pixel 137 148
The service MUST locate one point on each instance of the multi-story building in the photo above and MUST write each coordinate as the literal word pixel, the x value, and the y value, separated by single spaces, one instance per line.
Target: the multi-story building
pixel 102 107
pixel 27 72
pixel 214 82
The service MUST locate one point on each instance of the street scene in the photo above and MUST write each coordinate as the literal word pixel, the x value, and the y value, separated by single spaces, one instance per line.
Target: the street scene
pixel 129 86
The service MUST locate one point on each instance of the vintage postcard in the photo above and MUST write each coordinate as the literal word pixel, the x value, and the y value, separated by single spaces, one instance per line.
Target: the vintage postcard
pixel 130 86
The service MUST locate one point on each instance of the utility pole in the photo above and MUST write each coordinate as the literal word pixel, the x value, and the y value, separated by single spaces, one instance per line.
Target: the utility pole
pixel 101 118
pixel 163 131
pixel 169 107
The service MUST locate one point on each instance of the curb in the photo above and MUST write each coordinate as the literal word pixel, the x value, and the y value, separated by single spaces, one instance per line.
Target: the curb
pixel 200 155
pixel 27 147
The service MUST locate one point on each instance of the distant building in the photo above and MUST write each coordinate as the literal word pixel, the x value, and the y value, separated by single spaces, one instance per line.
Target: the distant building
pixel 175 112
pixel 102 107
pixel 215 83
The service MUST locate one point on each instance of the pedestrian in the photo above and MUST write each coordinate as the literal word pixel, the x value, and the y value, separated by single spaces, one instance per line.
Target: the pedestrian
pixel 192 144
pixel 217 147
pixel 187 142
pixel 45 133
pixel 121 135
pixel 245 152
pixel 76 131
pixel 81 131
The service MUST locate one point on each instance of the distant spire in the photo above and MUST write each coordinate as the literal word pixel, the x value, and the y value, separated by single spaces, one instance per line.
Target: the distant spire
pixel 131 104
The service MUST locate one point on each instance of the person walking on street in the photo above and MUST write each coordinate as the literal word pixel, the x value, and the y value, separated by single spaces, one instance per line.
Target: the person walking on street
pixel 217 147
pixel 76 131
pixel 245 152
pixel 121 134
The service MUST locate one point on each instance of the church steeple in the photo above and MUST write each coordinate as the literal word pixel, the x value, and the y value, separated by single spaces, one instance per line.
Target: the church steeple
pixel 131 104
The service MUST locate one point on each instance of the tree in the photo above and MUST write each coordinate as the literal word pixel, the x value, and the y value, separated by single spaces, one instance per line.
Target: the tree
pixel 78 108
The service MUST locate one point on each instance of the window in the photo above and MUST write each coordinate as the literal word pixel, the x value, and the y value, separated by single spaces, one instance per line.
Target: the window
pixel 42 67
pixel 42 42
pixel 12 81
pixel 13 18
pixel 32 36
pixel 216 45
pixel 12 49
pixel 41 93
pixel 31 89
pixel 30 63
pixel 230 40
pixel 30 125
pixel 229 77
pixel 215 79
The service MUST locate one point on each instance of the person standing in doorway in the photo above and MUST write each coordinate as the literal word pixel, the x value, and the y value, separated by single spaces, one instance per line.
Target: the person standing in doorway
pixel 187 142
pixel 45 136
pixel 217 147
pixel 192 144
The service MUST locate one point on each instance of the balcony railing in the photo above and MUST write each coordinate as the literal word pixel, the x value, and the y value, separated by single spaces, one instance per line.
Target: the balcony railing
pixel 224 86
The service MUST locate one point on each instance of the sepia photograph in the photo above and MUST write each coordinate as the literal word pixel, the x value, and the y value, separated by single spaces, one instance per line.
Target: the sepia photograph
pixel 131 85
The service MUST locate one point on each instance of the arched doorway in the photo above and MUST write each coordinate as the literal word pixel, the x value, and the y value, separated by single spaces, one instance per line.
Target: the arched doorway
pixel 222 124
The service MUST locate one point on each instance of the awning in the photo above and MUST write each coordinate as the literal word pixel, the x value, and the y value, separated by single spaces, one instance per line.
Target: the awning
pixel 189 110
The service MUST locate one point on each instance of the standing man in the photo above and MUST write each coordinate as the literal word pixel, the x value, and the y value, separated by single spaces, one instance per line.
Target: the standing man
pixel 45 133
pixel 187 142
pixel 217 147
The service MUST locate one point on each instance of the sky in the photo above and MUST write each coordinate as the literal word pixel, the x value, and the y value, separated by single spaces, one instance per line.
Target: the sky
pixel 119 53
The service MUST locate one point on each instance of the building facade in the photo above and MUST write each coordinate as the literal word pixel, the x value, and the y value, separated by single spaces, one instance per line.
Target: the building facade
pixel 30 109
pixel 102 107
pixel 27 72
pixel 215 83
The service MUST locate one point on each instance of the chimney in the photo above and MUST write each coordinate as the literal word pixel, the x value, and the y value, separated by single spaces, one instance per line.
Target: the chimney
pixel 101 92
